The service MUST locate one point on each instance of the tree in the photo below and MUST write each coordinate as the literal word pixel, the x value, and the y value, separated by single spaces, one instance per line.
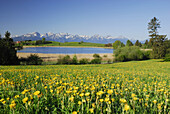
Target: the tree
pixel 159 47
pixel 150 43
pixel 129 43
pixel 43 40
pixel 34 59
pixel 8 53
pixel 156 40
pixel 137 43
pixel 153 25
pixel 74 60
pixel 117 44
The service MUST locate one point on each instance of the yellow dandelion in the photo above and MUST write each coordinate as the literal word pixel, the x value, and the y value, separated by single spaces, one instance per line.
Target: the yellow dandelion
pixel 79 102
pixel 122 100
pixel 87 94
pixel 37 92
pixel 12 105
pixel 101 100
pixel 126 107
pixel 110 91
pixel 133 95
pixel 154 101
pixel 91 110
pixel 81 95
pixel 74 112
pixel 106 99
pixel 113 99
pixel 25 100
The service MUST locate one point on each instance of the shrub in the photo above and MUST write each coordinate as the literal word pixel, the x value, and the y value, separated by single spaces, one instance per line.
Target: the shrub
pixel 167 57
pixel 130 53
pixel 97 59
pixel 66 60
pixel 84 61
pixel 74 60
pixel 34 59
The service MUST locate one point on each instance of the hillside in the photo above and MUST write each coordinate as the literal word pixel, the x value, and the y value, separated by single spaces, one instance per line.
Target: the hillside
pixel 131 87
pixel 53 43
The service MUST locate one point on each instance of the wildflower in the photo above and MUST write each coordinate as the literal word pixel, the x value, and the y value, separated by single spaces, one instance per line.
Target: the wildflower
pixel 87 94
pixel 159 106
pixel 74 112
pixel 133 95
pixel 110 91
pixel 12 105
pixel 4 102
pixel 16 96
pixel 1 100
pixel 79 102
pixel 82 94
pixel 51 91
pixel 101 100
pixel 135 98
pixel 154 101
pixel 93 105
pixel 123 100
pixel 126 107
pixel 106 99
pixel 91 110
pixel 113 99
pixel 29 102
pixel 100 93
pixel 83 100
pixel 37 92
pixel 13 102
pixel 71 98
pixel 25 100
pixel 23 92
pixel 7 98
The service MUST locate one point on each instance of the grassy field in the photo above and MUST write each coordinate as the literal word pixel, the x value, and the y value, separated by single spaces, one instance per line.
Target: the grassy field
pixel 127 87
pixel 69 44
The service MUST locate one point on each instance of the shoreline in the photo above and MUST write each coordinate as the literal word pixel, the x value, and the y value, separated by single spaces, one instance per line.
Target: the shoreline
pixel 55 57
pixel 70 46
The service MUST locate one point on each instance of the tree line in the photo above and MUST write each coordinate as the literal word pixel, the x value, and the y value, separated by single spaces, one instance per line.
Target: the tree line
pixel 159 44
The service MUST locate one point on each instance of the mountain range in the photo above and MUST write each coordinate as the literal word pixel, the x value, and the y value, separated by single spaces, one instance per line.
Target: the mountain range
pixel 66 37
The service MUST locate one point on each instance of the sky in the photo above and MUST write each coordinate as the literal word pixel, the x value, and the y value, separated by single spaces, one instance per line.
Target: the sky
pixel 128 18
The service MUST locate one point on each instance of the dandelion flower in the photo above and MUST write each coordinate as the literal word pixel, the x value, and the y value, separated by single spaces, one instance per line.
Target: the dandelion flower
pixel 127 107
pixel 37 92
pixel 25 100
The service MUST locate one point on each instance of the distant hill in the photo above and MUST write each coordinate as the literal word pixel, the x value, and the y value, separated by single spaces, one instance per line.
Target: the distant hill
pixel 65 37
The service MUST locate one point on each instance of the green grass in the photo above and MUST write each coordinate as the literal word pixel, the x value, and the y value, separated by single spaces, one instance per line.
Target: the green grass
pixel 69 44
pixel 128 87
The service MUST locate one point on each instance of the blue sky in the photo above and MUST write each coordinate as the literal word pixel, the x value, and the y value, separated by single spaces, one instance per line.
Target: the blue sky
pixel 127 18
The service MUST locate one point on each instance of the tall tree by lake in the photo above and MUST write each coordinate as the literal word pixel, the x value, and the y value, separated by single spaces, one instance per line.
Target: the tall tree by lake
pixel 8 53
pixel 156 40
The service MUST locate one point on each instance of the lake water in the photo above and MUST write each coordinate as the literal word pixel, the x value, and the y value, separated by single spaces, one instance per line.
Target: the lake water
pixel 65 50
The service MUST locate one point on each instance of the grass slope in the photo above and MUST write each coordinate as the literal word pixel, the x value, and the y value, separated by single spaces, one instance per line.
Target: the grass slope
pixel 69 44
pixel 128 87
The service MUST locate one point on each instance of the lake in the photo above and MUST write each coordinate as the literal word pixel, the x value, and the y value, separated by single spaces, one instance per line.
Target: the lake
pixel 65 50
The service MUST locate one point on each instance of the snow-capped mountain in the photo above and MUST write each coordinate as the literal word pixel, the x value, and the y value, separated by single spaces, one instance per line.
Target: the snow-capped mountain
pixel 66 37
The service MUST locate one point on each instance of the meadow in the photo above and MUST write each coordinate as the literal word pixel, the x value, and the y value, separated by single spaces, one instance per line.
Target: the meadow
pixel 54 43
pixel 127 87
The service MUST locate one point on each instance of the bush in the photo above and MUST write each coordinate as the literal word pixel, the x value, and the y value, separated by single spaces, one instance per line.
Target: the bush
pixel 74 60
pixel 97 59
pixel 84 61
pixel 167 57
pixel 96 56
pixel 130 53
pixel 34 59
pixel 65 60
